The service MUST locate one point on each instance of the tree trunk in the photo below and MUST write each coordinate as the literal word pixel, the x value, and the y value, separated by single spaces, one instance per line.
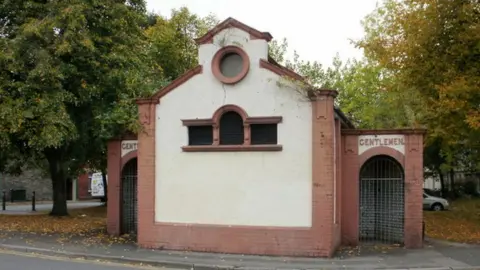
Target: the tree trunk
pixel 59 186
pixel 452 180
pixel 442 185
pixel 105 187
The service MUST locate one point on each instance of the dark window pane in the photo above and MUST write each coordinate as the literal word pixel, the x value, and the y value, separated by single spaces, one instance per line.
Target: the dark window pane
pixel 231 128
pixel 200 135
pixel 231 65
pixel 263 133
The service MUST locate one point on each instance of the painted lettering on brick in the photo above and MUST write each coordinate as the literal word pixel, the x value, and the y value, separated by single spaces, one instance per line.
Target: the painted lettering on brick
pixel 381 142
pixel 128 146
pixel 367 142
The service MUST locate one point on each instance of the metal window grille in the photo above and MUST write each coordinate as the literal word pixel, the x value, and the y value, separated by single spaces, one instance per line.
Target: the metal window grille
pixel 129 197
pixel 263 133
pixel 382 201
pixel 200 135
pixel 231 129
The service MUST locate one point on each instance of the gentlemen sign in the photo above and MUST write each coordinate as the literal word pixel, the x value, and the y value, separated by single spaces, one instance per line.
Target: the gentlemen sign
pixel 367 142
pixel 128 146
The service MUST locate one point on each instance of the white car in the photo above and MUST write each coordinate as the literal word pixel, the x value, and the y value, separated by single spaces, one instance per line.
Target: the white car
pixel 434 203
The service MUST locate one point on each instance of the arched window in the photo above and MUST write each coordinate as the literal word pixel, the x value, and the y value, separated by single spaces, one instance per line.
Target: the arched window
pixel 231 129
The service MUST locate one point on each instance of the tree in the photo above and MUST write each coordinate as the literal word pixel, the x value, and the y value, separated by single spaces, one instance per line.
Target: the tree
pixel 172 49
pixel 432 50
pixel 98 161
pixel 69 74
pixel 172 41
pixel 361 85
pixel 434 161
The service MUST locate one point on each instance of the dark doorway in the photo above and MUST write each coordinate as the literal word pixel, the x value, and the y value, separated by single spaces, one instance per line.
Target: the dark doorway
pixel 382 201
pixel 129 197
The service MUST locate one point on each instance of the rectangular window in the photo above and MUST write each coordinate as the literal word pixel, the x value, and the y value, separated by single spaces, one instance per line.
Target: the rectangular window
pixel 200 135
pixel 263 133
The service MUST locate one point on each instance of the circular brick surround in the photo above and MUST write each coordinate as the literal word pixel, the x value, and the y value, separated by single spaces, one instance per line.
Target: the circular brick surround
pixel 217 59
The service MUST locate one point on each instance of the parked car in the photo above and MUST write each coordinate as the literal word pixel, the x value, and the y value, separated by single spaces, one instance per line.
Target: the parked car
pixel 434 203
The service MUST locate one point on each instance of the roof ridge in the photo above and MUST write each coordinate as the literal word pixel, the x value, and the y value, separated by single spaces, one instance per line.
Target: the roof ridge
pixel 231 22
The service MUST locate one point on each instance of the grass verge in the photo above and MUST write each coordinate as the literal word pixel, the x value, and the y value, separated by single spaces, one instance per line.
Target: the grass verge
pixel 459 224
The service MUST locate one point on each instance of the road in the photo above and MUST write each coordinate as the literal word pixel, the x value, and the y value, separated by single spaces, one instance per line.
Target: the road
pixel 21 261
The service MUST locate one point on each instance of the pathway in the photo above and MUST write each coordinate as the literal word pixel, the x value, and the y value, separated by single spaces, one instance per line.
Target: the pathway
pixel 26 209
pixel 431 257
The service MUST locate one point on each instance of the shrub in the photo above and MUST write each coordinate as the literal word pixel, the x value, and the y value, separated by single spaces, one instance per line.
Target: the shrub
pixel 470 188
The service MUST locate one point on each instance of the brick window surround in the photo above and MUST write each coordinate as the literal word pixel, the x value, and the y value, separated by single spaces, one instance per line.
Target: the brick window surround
pixel 247 122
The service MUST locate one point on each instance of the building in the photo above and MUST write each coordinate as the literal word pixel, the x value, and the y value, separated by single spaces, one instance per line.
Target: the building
pixel 83 186
pixel 20 187
pixel 238 156
pixel 90 185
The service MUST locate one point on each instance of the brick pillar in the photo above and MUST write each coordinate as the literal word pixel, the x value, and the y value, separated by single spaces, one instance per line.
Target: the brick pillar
pixel 114 163
pixel 350 190
pixel 413 190
pixel 146 173
pixel 323 167
pixel 338 181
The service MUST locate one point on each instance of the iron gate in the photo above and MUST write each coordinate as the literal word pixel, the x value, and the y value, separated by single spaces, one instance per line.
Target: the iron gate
pixel 382 201
pixel 129 197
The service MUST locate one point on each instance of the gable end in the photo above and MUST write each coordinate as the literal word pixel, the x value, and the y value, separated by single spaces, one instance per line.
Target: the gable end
pixel 231 22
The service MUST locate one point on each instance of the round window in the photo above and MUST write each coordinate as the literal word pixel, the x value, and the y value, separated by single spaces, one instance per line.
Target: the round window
pixel 231 65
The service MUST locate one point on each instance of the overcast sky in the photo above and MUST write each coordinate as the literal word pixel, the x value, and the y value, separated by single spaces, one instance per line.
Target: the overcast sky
pixel 317 29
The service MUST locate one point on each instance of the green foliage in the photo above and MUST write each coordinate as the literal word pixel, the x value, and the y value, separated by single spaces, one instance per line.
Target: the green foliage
pixel 312 71
pixel 361 85
pixel 72 68
pixel 277 50
pixel 368 93
pixel 172 42
pixel 432 49
pixel 69 74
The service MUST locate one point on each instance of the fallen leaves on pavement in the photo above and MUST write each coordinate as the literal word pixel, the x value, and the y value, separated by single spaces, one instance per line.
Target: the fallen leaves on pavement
pixel 366 249
pixel 460 224
pixel 87 225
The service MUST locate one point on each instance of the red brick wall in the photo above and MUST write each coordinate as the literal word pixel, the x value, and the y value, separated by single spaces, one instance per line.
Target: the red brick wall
pixel 114 170
pixel 413 191
pixel 83 185
pixel 338 189
pixel 314 241
pixel 350 190
pixel 114 166
pixel 412 162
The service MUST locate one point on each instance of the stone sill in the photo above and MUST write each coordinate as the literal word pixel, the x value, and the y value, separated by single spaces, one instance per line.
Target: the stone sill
pixel 233 148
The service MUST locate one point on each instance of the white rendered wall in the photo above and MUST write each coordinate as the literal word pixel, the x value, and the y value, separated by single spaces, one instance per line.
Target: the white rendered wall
pixel 234 188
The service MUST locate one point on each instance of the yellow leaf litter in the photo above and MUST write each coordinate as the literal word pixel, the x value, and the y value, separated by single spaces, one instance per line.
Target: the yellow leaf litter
pixel 89 224
pixel 459 224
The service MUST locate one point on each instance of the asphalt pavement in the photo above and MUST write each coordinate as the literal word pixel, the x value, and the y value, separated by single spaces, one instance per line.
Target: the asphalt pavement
pixel 127 256
pixel 18 261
